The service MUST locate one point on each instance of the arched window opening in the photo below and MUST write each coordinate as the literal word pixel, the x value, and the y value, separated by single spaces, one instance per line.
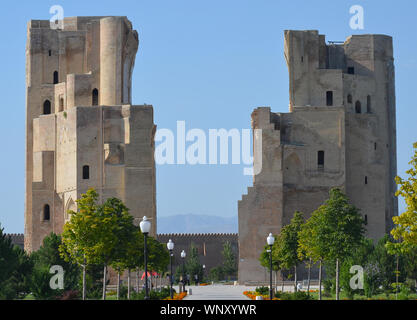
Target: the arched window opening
pixel 49 52
pixel 95 97
pixel 47 107
pixel 329 98
pixel 55 77
pixel 46 213
pixel 320 160
pixel 358 107
pixel 374 145
pixel 366 219
pixel 86 172
pixel 368 104
pixel 366 180
pixel 349 98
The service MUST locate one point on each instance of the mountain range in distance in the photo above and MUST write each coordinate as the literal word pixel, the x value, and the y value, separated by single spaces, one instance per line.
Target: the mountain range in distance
pixel 196 223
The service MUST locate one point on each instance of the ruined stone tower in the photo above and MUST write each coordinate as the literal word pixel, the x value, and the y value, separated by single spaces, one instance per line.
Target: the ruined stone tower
pixel 340 132
pixel 81 129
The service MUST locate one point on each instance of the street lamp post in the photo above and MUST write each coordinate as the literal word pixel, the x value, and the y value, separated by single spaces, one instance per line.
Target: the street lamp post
pixel 170 246
pixel 145 227
pixel 183 254
pixel 204 272
pixel 270 240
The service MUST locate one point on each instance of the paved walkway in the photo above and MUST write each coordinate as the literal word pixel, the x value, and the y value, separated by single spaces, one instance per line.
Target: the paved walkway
pixel 217 292
pixel 225 292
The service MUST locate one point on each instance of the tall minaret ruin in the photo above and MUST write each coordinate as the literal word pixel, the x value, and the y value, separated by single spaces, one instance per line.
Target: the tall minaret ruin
pixel 81 129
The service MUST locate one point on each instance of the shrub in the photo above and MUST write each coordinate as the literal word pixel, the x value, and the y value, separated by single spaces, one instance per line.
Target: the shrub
pixel 123 293
pixel 153 295
pixel 299 295
pixel 40 284
pixel 262 290
pixel 404 292
pixel 216 273
pixel 327 284
pixel 70 295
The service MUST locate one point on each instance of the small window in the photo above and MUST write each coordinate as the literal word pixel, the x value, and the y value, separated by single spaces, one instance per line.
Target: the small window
pixel 302 59
pixel 95 97
pixel 86 172
pixel 366 180
pixel 368 104
pixel 47 107
pixel 366 219
pixel 351 70
pixel 329 98
pixel 320 160
pixel 374 145
pixel 55 77
pixel 49 53
pixel 358 107
pixel 46 213
pixel 61 104
pixel 349 98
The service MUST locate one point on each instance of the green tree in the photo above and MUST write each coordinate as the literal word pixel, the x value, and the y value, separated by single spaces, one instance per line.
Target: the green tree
pixel 15 270
pixel 114 228
pixel 310 247
pixel 386 263
pixel 287 245
pixel 134 257
pixel 362 255
pixel 405 230
pixel 339 229
pixel 193 266
pixel 229 260
pixel 79 234
pixel 158 256
pixel 48 255
pixel 264 259
pixel 216 273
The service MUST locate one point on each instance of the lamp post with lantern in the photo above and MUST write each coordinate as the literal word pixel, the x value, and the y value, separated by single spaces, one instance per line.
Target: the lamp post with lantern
pixel 183 254
pixel 145 227
pixel 270 240
pixel 170 246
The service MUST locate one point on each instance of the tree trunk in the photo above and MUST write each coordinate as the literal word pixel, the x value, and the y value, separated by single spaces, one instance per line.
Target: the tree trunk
pixel 276 281
pixel 295 278
pixel 104 281
pixel 282 285
pixel 320 268
pixel 137 281
pixel 337 279
pixel 118 285
pixel 128 284
pixel 84 271
pixel 396 279
pixel 309 277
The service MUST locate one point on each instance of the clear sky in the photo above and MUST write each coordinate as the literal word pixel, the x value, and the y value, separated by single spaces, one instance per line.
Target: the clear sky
pixel 209 63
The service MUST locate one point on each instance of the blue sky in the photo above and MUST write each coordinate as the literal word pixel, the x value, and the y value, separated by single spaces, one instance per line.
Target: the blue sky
pixel 209 63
